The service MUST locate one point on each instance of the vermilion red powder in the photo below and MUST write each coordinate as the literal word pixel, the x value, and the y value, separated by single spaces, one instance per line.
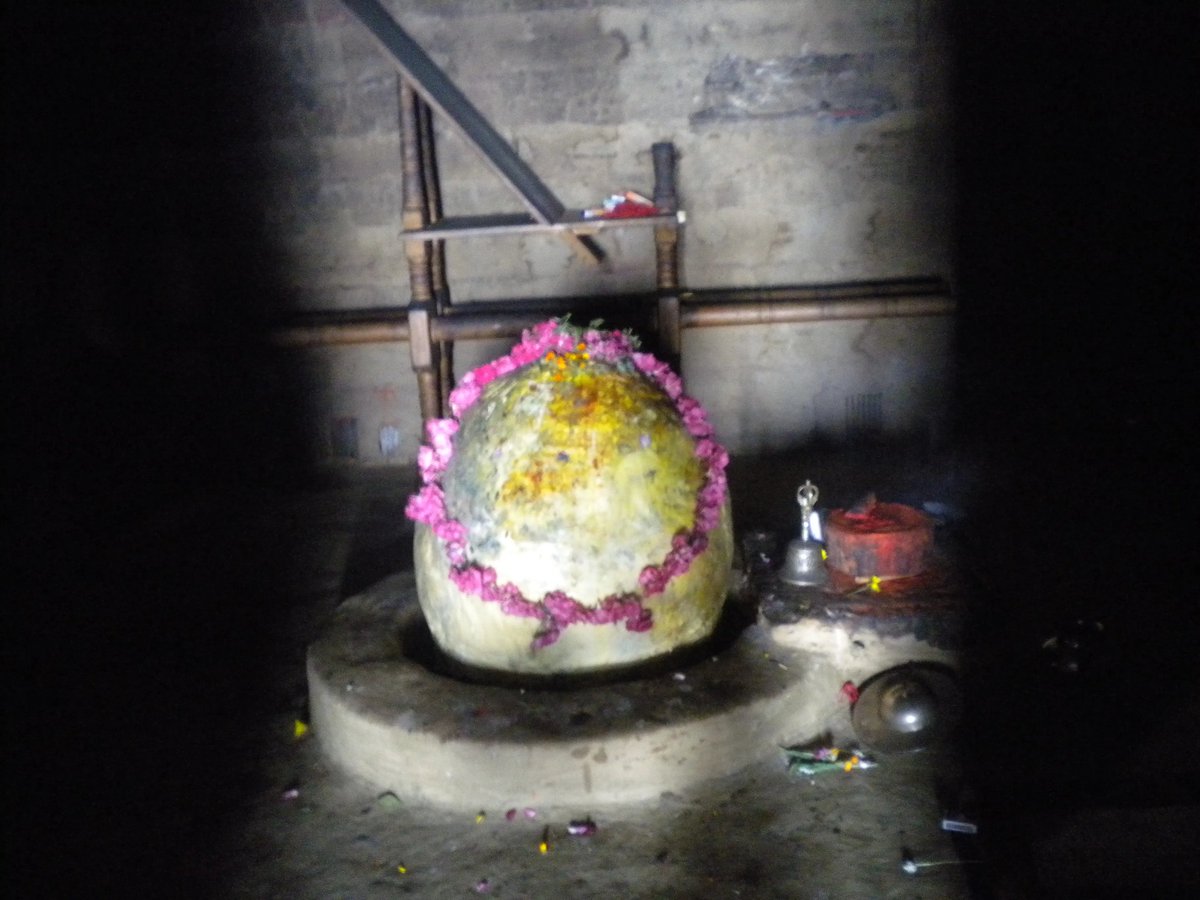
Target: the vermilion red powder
pixel 874 521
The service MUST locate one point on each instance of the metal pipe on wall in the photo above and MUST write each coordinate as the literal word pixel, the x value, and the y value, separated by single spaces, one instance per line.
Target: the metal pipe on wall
pixel 778 312
pixel 334 335
pixel 699 309
pixel 335 332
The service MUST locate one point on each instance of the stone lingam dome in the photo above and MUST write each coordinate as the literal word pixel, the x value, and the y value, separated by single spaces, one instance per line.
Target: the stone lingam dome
pixel 574 515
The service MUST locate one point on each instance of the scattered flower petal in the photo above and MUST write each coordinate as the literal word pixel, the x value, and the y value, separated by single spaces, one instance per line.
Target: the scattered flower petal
pixel 582 827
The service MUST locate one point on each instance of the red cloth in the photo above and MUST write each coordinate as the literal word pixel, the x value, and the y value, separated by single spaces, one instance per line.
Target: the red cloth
pixel 628 210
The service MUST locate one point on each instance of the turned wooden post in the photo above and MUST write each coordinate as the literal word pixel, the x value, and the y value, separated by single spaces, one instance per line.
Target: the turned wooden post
pixel 431 183
pixel 666 246
pixel 422 307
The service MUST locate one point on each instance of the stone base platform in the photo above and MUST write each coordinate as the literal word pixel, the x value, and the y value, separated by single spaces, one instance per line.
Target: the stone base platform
pixel 385 708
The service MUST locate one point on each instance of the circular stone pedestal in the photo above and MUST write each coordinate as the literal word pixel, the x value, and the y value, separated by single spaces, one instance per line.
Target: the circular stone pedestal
pixel 383 713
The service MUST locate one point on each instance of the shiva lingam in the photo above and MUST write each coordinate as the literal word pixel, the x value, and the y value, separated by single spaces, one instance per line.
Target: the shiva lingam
pixel 804 564
pixel 575 515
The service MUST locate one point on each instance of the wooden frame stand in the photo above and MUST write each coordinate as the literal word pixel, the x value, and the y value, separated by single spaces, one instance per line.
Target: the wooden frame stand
pixel 424 89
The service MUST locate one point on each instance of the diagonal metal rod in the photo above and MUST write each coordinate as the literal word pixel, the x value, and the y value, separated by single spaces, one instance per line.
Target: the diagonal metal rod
pixel 440 92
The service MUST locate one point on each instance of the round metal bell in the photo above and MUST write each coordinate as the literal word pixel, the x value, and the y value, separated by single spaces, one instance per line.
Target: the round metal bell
pixel 907 705
pixel 803 565
pixel 907 708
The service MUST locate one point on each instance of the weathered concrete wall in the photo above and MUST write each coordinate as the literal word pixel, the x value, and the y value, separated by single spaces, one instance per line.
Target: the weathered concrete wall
pixel 830 382
pixel 813 147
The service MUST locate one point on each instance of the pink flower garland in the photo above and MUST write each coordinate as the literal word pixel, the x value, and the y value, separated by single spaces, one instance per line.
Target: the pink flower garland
pixel 557 610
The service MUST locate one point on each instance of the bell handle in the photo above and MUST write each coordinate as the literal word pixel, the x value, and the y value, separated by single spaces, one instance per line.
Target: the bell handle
pixel 806 496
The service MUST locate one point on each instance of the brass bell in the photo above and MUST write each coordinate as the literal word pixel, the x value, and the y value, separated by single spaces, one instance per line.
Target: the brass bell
pixel 803 564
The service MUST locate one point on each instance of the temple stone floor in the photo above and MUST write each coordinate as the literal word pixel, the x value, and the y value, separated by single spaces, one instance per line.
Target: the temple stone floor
pixel 165 677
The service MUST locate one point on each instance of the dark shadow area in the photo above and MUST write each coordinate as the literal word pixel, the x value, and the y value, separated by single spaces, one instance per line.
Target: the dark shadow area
pixel 148 415
pixel 417 644
pixel 382 543
pixel 1077 288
